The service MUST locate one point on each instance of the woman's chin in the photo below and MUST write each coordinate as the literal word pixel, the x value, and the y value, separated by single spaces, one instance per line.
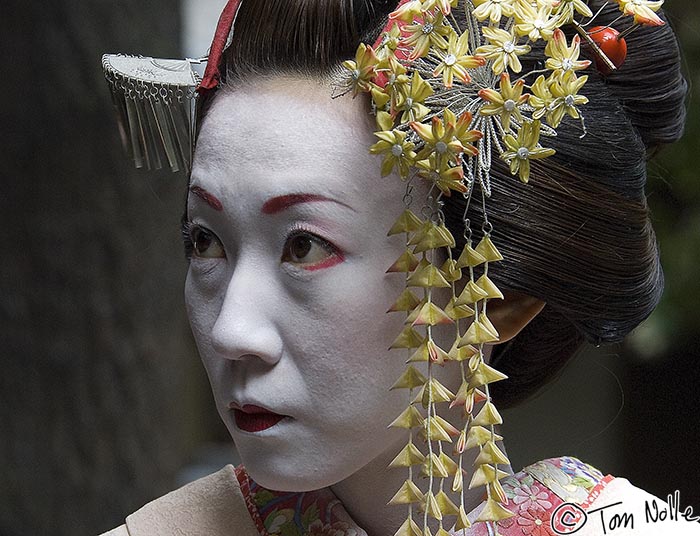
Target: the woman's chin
pixel 291 474
pixel 299 464
pixel 304 472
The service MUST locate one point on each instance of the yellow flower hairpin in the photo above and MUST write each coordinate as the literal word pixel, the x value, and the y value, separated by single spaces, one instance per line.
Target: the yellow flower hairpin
pixel 450 91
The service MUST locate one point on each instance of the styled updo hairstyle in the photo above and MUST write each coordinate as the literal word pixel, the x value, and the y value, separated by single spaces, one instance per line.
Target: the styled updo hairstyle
pixel 578 235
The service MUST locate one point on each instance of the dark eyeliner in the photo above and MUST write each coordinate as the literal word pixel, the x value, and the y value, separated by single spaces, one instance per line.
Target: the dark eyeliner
pixel 303 231
pixel 186 232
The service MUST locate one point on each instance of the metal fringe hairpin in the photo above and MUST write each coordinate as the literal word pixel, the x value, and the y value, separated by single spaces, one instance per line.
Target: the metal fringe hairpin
pixel 154 101
pixel 441 79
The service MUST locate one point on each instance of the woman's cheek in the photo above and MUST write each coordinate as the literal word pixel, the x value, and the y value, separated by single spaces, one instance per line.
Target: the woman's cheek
pixel 206 276
pixel 205 289
pixel 204 293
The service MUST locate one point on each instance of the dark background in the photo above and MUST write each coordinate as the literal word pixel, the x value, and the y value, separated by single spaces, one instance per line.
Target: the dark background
pixel 103 404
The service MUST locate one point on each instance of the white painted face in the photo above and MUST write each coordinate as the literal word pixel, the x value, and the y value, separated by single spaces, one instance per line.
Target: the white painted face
pixel 287 291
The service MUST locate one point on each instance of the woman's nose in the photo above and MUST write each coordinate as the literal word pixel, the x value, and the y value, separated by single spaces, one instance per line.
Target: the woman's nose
pixel 245 326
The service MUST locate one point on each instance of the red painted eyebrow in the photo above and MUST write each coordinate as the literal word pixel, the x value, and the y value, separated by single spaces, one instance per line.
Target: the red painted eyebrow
pixel 283 202
pixel 209 199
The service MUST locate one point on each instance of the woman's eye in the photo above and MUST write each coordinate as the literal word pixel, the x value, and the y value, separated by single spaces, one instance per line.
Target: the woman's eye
pixel 205 244
pixel 305 248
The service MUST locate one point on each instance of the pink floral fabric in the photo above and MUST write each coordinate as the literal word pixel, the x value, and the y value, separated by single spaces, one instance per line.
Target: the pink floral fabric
pixel 534 494
pixel 279 513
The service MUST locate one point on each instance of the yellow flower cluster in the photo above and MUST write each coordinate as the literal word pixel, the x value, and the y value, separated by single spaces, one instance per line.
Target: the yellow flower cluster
pixel 427 32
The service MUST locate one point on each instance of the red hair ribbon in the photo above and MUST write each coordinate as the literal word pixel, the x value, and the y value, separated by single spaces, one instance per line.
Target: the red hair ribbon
pixel 223 29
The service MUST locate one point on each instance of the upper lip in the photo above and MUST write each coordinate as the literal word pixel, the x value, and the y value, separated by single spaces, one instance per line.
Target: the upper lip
pixel 250 408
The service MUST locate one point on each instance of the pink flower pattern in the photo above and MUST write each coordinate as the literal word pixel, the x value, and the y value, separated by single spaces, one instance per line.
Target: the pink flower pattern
pixel 535 523
pixel 531 497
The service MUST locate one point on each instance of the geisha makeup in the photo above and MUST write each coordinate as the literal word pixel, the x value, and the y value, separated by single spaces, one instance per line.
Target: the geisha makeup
pixel 287 292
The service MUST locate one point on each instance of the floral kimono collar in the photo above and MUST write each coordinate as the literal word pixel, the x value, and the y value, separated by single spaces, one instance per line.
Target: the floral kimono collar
pixel 536 493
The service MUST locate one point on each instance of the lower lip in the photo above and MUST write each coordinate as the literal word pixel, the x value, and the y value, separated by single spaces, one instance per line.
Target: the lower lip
pixel 255 419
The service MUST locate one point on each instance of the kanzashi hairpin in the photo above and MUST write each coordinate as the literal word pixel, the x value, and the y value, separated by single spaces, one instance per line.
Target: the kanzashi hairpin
pixel 154 100
pixel 450 91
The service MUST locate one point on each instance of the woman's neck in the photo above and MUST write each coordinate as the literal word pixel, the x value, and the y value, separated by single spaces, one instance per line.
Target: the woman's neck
pixel 365 494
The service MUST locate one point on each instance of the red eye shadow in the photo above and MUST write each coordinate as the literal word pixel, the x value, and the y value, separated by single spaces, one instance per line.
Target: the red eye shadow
pixel 327 263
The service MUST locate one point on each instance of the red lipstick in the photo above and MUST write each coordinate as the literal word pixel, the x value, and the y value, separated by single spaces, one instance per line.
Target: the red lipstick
pixel 250 418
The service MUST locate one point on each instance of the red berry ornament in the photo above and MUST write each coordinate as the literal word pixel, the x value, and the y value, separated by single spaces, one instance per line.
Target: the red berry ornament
pixel 612 45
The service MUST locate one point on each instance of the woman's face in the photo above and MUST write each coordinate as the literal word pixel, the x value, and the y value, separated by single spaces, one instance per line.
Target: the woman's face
pixel 287 292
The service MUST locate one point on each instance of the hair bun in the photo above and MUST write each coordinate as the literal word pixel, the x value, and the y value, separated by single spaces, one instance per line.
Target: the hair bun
pixel 649 85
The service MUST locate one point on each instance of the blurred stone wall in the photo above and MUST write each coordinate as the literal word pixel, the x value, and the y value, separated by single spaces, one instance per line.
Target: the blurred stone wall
pixel 98 370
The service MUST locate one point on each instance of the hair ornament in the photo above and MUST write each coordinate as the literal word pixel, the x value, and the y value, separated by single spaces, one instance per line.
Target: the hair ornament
pixel 154 100
pixel 612 45
pixel 221 40
pixel 450 93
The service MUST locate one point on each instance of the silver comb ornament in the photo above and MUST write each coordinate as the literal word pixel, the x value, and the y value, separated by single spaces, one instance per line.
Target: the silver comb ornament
pixel 155 104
